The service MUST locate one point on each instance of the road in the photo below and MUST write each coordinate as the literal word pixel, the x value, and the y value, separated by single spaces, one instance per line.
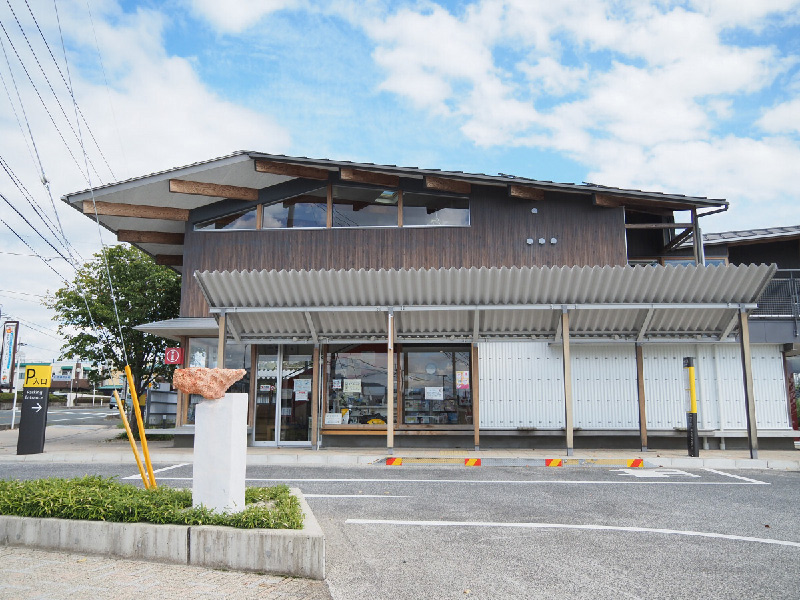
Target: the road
pixel 59 415
pixel 518 532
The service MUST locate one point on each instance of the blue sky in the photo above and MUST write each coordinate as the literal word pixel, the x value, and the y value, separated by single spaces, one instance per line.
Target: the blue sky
pixel 698 97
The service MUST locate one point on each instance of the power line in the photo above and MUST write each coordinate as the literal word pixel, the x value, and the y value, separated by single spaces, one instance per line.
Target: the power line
pixel 44 105
pixel 31 255
pixel 44 39
pixel 38 210
pixel 94 202
pixel 23 293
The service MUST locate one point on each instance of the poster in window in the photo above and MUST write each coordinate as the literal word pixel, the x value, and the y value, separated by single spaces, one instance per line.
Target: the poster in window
pixel 333 418
pixel 462 380
pixel 302 385
pixel 434 393
pixel 337 384
pixel 301 396
pixel 352 386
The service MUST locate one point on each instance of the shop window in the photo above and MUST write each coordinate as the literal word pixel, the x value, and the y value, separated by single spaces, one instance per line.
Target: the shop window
pixel 364 207
pixel 436 386
pixel 356 380
pixel 427 210
pixel 245 219
pixel 308 210
pixel 203 353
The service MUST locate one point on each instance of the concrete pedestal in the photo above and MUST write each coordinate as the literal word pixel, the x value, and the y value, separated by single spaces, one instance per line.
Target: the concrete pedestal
pixel 220 453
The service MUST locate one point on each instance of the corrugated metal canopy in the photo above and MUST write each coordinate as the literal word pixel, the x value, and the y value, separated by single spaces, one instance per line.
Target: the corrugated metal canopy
pixel 641 303
pixel 174 329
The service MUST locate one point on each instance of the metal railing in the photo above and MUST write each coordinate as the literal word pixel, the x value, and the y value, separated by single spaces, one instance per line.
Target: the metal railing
pixel 781 297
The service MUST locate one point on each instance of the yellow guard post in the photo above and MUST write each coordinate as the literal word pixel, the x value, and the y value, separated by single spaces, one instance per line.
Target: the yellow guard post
pixel 139 422
pixel 131 440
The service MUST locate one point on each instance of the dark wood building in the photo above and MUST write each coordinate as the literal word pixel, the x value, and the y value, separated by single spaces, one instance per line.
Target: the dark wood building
pixel 372 300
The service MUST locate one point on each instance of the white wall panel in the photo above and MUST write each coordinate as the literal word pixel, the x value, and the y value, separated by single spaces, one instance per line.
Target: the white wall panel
pixel 720 389
pixel 604 386
pixel 520 385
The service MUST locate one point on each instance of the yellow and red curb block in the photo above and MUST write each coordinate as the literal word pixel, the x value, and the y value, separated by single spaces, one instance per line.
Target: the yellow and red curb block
pixel 630 463
pixel 397 461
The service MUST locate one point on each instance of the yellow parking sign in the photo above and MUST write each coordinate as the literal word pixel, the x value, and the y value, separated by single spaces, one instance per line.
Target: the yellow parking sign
pixel 37 376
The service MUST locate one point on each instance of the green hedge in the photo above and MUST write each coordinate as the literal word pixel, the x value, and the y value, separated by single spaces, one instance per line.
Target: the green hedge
pixel 97 498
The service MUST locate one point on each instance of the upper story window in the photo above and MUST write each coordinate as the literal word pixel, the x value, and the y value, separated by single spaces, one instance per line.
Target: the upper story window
pixel 351 206
pixel 427 210
pixel 245 219
pixel 364 207
pixel 304 211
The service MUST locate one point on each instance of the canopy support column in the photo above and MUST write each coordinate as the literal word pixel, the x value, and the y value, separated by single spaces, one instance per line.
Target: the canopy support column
pixel 390 382
pixel 747 374
pixel 221 343
pixel 697 237
pixel 315 398
pixel 476 420
pixel 640 390
pixel 568 426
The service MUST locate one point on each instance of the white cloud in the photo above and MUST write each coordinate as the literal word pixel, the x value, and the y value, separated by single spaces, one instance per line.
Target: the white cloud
pixel 784 118
pixel 163 116
pixel 640 93
pixel 234 16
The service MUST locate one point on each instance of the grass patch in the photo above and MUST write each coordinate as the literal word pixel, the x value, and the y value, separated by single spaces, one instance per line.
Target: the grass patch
pixel 95 498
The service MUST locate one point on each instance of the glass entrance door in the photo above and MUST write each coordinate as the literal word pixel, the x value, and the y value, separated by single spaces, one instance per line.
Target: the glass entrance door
pixel 283 396
pixel 264 423
pixel 297 367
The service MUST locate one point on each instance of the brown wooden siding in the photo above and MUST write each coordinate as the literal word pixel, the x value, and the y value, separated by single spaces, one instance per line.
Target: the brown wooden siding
pixel 500 226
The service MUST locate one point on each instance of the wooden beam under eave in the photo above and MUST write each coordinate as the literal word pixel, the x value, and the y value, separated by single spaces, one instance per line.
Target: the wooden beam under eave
pixel 198 188
pixel 149 237
pixel 169 260
pixel 525 192
pixel 140 211
pixel 290 170
pixel 612 201
pixel 441 184
pixel 370 177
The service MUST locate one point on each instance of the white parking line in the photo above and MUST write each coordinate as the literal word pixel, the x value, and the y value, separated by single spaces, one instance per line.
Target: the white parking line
pixel 352 496
pixel 491 482
pixel 756 481
pixel 137 476
pixel 705 534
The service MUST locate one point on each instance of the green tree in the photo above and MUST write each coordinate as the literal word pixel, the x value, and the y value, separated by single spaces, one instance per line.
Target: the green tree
pixel 144 291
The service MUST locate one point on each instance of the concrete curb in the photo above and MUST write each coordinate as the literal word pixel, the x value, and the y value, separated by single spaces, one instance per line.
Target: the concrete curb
pixel 299 553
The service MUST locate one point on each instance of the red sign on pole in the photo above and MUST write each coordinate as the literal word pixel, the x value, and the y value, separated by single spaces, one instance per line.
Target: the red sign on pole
pixel 173 356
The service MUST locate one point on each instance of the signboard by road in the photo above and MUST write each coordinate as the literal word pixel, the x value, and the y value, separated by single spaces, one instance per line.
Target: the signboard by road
pixel 33 421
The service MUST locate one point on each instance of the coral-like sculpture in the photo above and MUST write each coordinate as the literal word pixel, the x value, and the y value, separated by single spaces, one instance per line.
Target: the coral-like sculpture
pixel 209 383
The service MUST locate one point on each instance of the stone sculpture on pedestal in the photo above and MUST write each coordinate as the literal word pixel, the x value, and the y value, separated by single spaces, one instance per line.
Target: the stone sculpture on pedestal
pixel 220 437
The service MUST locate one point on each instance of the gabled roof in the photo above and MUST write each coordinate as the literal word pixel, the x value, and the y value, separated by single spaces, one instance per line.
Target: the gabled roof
pixel 238 170
pixel 746 236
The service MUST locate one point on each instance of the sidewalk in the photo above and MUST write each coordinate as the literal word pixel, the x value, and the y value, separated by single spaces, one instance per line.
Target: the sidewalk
pixel 96 443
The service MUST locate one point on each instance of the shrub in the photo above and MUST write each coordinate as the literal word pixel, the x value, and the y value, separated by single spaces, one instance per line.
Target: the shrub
pixel 97 498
